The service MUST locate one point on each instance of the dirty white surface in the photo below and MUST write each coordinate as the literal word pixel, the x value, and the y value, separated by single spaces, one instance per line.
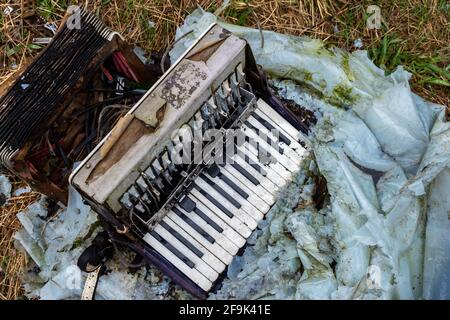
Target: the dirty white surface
pixel 382 233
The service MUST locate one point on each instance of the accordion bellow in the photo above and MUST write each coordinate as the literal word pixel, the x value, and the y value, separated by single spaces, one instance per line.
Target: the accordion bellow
pixel 49 111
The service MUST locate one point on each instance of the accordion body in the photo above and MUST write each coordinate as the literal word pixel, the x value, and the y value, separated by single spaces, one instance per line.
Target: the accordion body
pixel 191 217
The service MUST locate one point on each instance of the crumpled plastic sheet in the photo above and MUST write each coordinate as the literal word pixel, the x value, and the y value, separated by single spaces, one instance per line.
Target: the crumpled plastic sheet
pixel 383 231
pixel 21 191
pixel 55 243
pixel 385 155
pixel 5 190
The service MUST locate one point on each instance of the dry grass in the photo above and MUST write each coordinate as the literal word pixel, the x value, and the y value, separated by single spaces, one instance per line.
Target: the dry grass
pixel 414 33
pixel 12 261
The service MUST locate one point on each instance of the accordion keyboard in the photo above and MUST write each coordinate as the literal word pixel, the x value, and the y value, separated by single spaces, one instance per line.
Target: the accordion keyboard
pixel 201 234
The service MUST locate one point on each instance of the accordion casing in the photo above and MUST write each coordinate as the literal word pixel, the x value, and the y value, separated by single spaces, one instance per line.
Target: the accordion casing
pixel 142 134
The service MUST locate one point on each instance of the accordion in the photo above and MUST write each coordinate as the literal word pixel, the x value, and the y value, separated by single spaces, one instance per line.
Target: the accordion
pixel 186 175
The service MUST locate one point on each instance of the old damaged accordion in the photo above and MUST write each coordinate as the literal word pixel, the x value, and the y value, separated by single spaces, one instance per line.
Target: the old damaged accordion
pixel 187 215
pixel 191 217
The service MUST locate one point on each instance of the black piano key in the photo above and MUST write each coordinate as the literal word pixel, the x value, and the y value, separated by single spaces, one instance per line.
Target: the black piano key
pixel 172 249
pixel 266 124
pixel 254 165
pixel 245 173
pixel 159 261
pixel 213 170
pixel 187 204
pixel 268 139
pixel 233 186
pixel 194 226
pixel 182 239
pixel 221 191
pixel 214 201
pixel 208 220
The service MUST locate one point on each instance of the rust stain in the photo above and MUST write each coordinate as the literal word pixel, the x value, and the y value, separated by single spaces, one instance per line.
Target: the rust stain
pixel 181 84
pixel 160 116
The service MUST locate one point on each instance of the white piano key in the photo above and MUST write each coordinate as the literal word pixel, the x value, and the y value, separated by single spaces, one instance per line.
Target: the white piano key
pixel 237 212
pixel 272 180
pixel 228 231
pixel 258 196
pixel 277 118
pixel 243 224
pixel 276 167
pixel 253 201
pixel 245 205
pixel 231 245
pixel 283 159
pixel 295 145
pixel 270 124
pixel 191 273
pixel 209 257
pixel 286 148
pixel 219 251
pixel 218 205
pixel 200 265
pixel 262 189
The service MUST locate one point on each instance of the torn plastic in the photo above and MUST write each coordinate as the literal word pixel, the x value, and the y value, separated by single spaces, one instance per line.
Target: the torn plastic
pixel 21 191
pixel 5 190
pixel 54 245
